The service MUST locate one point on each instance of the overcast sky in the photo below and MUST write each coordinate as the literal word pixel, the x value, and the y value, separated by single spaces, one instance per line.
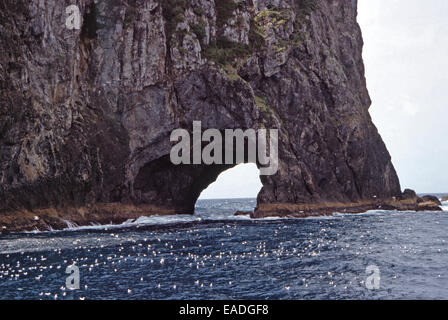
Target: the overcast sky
pixel 405 54
pixel 406 59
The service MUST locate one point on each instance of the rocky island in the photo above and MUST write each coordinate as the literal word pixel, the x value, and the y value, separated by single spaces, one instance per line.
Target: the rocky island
pixel 86 115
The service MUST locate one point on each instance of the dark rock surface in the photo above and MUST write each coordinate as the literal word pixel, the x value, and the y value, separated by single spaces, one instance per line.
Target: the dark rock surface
pixel 409 194
pixel 244 213
pixel 430 198
pixel 86 115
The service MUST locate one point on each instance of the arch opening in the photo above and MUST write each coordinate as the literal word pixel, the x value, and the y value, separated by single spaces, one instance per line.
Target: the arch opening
pixel 176 188
pixel 241 181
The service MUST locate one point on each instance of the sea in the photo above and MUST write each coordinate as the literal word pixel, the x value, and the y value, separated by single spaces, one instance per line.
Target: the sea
pixel 216 255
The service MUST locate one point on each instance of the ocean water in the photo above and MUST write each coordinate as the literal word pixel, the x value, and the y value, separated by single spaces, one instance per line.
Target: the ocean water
pixel 214 255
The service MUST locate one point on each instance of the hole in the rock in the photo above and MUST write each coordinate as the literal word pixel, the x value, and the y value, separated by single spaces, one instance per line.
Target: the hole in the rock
pixel 241 181
pixel 177 188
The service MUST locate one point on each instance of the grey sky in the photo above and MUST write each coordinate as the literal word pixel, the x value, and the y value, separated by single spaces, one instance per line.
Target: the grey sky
pixel 406 59
pixel 242 181
pixel 405 54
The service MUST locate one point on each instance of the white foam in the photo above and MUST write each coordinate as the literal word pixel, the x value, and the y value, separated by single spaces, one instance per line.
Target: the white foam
pixel 156 220
pixel 367 213
pixel 444 206
pixel 70 225
pixel 333 216
pixel 203 215
pixel 184 218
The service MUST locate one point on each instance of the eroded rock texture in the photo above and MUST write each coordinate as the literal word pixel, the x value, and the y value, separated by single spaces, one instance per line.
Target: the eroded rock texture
pixel 86 115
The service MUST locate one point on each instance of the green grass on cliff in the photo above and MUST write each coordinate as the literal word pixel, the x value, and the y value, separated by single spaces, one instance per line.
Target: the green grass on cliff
pixel 222 50
pixel 225 52
pixel 173 13
pixel 306 7
pixel 199 30
pixel 224 11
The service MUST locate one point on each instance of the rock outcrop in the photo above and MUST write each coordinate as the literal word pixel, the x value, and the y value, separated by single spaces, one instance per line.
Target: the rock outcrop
pixel 243 213
pixel 86 115
pixel 430 198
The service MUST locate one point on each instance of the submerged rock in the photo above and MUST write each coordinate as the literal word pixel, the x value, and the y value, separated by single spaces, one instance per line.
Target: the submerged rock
pixel 409 194
pixel 433 199
pixel 243 213
pixel 86 115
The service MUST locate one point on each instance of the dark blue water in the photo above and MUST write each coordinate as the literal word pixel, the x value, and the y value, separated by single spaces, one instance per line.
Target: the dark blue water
pixel 214 255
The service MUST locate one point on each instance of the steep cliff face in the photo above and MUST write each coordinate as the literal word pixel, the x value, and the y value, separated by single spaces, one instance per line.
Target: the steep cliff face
pixel 86 115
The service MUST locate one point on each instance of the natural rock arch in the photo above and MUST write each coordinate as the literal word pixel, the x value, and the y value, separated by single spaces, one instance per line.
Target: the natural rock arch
pixel 240 182
pixel 175 186
pixel 87 114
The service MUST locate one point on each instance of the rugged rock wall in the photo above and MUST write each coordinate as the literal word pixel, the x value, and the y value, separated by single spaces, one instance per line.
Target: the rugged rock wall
pixel 85 116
